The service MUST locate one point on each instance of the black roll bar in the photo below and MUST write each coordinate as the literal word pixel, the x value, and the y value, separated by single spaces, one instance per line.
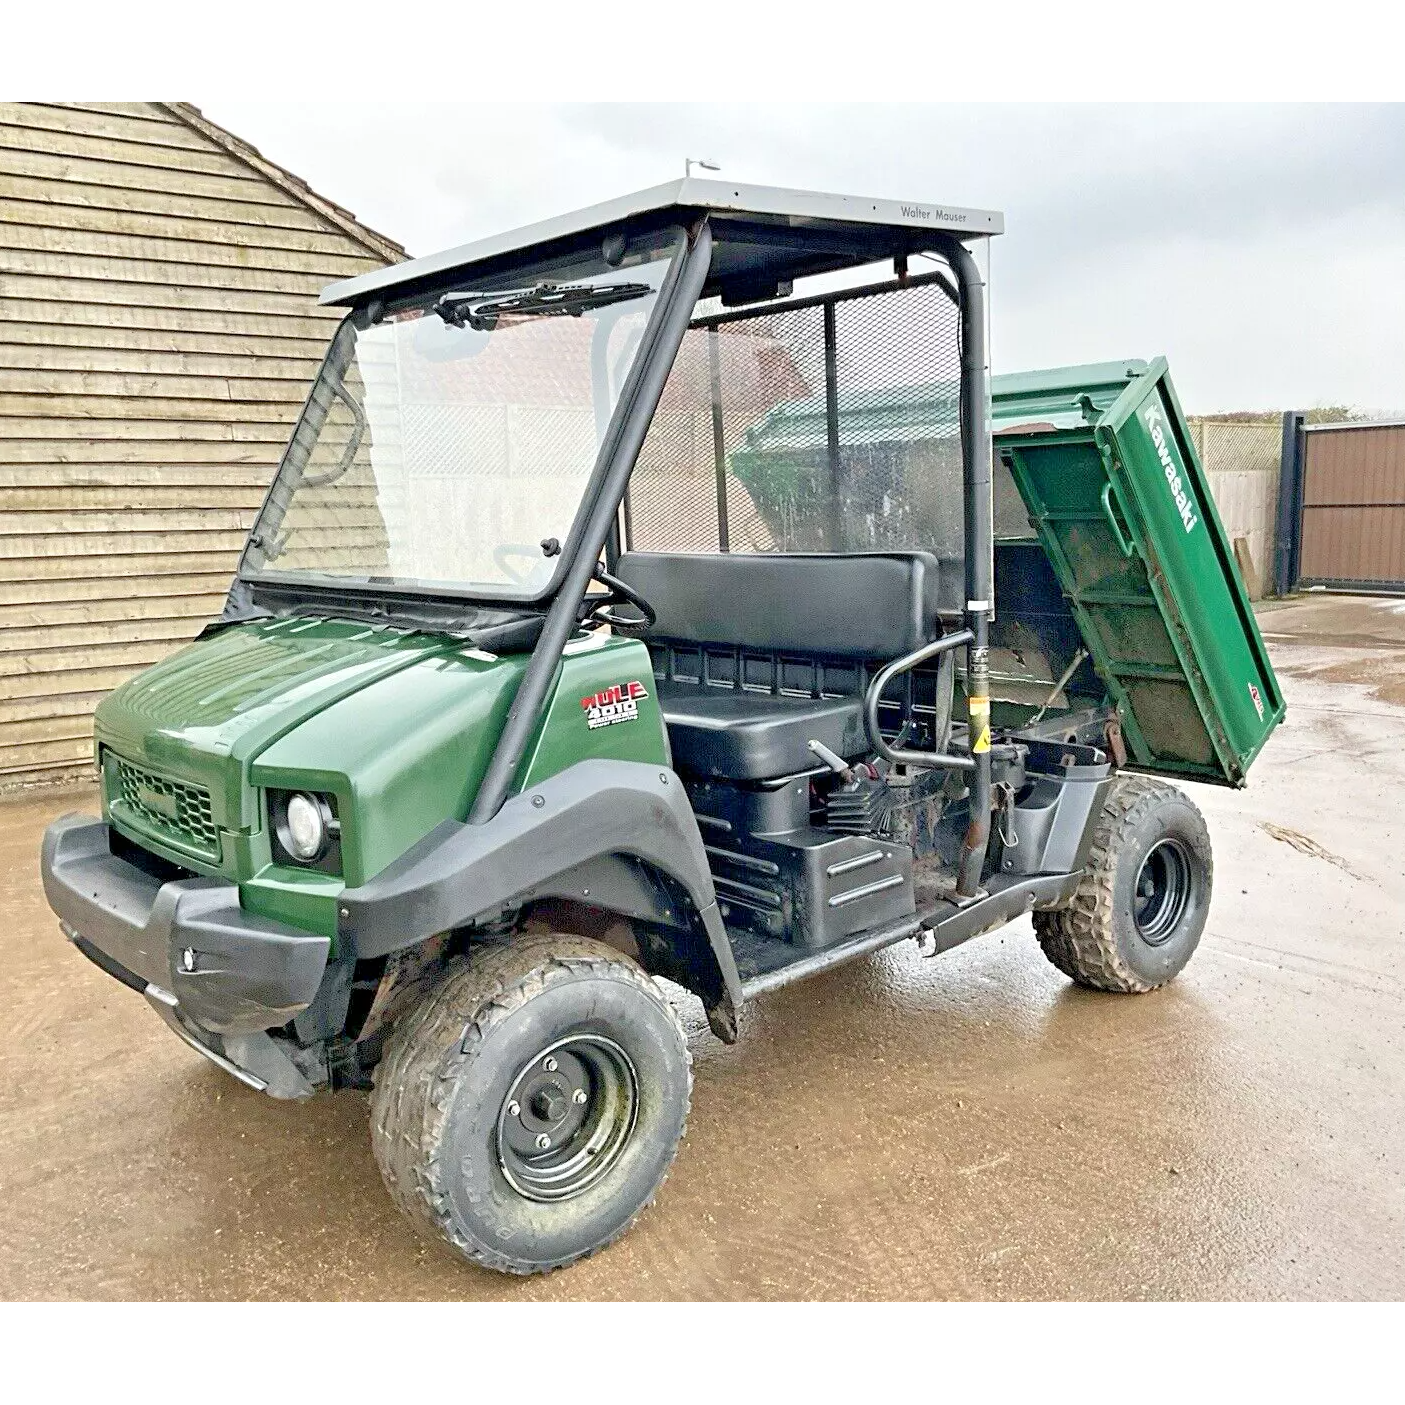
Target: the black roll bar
pixel 638 400
pixel 979 542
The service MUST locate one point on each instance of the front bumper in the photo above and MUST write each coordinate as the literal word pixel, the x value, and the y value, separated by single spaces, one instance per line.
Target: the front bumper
pixel 218 975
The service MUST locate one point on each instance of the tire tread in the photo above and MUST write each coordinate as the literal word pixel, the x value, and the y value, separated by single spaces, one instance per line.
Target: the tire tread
pixel 439 1036
pixel 1080 938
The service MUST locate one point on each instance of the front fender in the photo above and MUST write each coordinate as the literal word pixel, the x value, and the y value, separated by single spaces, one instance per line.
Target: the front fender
pixel 460 872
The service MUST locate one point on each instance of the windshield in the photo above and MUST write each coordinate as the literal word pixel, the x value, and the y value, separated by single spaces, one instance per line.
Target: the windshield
pixel 449 442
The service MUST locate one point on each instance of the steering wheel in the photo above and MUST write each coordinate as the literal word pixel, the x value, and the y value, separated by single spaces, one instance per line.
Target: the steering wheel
pixel 515 576
pixel 603 611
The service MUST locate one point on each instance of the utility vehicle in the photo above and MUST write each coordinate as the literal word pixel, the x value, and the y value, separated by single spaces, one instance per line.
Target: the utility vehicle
pixel 638 597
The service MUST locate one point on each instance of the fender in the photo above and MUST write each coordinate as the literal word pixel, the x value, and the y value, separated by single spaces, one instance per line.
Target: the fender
pixel 591 819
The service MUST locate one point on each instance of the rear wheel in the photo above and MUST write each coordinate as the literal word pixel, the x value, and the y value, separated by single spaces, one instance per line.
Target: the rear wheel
pixel 530 1107
pixel 1140 907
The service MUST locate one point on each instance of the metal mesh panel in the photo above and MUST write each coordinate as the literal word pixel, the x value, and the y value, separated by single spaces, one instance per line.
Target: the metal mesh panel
pixel 829 426
pixel 1237 446
pixel 899 400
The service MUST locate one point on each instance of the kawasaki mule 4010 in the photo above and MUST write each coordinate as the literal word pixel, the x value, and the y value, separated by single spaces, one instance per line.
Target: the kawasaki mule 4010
pixel 638 597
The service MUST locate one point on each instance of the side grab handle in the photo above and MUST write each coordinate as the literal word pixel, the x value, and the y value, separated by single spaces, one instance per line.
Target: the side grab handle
pixel 1118 531
pixel 942 647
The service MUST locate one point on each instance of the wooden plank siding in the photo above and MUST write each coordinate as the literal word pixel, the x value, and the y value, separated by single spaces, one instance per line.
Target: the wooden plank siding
pixel 158 332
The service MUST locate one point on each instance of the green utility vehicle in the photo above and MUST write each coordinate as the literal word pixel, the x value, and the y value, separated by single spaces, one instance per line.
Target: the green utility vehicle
pixel 639 596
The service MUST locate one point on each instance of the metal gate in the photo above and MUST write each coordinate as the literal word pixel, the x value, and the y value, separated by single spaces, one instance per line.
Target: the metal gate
pixel 1353 506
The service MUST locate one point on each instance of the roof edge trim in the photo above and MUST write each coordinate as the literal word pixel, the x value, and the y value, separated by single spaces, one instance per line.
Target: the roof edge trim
pixel 378 244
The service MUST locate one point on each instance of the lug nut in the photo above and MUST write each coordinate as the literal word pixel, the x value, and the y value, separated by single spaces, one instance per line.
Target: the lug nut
pixel 543 1141
pixel 513 1108
pixel 549 1065
pixel 578 1097
pixel 188 959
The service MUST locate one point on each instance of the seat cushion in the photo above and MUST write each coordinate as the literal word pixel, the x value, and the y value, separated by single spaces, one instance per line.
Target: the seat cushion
pixel 733 734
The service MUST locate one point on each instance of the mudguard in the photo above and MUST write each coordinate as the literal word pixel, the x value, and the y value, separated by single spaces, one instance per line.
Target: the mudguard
pixel 596 817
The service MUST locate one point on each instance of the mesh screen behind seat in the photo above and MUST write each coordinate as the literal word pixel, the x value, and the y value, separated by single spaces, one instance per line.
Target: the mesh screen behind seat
pixel 829 426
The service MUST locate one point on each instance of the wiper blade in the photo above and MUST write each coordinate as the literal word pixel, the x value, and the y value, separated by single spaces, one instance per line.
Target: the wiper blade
pixel 481 311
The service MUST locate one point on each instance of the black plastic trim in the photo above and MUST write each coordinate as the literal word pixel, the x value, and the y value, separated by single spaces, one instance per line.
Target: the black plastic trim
pixel 953 923
pixel 104 962
pixel 245 973
pixel 459 873
pixel 948 925
pixel 811 963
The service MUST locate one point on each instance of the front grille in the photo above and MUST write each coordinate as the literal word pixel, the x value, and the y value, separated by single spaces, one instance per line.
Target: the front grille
pixel 169 809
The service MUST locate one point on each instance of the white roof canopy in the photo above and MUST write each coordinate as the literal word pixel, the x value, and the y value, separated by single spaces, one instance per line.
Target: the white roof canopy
pixel 725 198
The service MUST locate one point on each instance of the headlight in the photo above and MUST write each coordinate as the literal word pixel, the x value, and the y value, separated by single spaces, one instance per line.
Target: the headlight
pixel 307 829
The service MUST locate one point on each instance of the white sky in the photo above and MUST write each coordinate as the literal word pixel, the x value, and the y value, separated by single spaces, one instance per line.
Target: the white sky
pixel 1258 247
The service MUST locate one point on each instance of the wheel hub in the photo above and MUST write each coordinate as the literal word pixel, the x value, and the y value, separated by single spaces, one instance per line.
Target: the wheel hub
pixel 1162 891
pixel 550 1104
pixel 567 1117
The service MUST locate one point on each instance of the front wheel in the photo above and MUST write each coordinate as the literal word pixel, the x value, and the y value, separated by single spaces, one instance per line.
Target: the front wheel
pixel 1137 914
pixel 530 1108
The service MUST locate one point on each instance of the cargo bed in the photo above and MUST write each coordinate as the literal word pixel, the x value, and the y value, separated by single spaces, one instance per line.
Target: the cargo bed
pixel 1122 508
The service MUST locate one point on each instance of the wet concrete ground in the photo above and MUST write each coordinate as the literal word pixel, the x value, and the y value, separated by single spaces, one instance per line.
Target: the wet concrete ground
pixel 966 1127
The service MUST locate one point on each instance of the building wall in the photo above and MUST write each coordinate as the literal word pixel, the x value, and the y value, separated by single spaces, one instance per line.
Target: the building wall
pixel 158 330
pixel 1241 460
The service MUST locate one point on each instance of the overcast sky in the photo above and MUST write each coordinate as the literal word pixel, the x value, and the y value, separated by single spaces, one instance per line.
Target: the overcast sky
pixel 1259 248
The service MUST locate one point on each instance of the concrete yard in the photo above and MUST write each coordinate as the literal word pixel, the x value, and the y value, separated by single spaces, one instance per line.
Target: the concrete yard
pixel 966 1127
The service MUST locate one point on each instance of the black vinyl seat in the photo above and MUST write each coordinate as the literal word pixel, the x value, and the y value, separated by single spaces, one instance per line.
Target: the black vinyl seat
pixel 740 735
pixel 820 617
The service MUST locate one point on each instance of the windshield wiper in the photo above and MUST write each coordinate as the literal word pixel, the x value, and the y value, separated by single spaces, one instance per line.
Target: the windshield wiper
pixel 482 310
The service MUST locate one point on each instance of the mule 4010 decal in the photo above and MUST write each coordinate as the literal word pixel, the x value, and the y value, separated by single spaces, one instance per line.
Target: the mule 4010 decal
pixel 617 703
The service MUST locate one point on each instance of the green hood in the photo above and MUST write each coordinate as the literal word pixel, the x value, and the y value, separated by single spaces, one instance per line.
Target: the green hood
pixel 203 713
pixel 397 726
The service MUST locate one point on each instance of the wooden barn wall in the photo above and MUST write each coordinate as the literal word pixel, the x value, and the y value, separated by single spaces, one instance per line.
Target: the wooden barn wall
pixel 158 331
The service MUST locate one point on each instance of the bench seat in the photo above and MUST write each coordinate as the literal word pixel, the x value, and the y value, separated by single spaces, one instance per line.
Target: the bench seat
pixel 827 620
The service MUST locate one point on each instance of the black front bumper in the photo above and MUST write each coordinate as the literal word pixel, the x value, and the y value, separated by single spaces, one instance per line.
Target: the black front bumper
pixel 218 975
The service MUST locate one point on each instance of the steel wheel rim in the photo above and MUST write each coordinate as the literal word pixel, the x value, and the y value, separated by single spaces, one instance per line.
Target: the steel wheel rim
pixel 567 1117
pixel 1161 892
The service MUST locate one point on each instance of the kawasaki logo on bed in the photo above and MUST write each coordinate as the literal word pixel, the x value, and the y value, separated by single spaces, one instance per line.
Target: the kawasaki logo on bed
pixel 1155 422
pixel 617 703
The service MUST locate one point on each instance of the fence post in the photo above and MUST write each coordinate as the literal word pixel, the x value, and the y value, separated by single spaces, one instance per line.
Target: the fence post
pixel 1289 524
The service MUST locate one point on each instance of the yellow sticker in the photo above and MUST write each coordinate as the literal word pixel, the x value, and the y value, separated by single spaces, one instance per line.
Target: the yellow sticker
pixel 979 711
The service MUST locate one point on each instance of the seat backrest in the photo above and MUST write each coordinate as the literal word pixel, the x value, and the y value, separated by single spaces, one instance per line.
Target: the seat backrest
pixel 866 606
